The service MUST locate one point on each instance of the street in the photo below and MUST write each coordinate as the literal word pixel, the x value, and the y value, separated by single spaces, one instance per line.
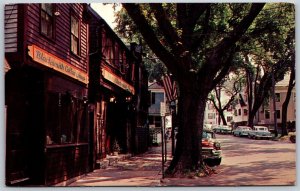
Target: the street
pixel 246 162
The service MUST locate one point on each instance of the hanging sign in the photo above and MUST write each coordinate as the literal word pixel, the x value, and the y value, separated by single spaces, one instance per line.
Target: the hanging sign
pixel 45 58
pixel 117 81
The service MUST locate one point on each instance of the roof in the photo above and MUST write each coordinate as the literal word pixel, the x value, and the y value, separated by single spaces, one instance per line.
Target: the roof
pixel 285 81
pixel 155 85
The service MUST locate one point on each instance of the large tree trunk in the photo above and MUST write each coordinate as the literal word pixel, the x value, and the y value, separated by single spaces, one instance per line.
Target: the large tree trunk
pixel 286 103
pixel 188 147
pixel 223 117
pixel 251 118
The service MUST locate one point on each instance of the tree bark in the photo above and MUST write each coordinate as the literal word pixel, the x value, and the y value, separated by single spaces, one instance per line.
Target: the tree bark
pixel 194 86
pixel 286 102
pixel 223 117
pixel 187 156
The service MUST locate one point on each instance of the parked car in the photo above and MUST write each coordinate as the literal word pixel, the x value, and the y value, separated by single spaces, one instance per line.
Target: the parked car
pixel 259 132
pixel 241 131
pixel 222 129
pixel 211 148
pixel 292 136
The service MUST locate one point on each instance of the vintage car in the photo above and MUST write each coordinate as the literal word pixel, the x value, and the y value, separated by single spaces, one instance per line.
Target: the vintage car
pixel 211 148
pixel 222 129
pixel 260 132
pixel 241 131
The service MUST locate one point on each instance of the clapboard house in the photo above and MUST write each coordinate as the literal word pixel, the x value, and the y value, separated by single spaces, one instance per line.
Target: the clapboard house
pixel 46 47
pixel 118 91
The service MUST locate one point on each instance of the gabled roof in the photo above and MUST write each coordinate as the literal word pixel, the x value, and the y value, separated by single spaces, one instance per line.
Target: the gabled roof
pixel 285 81
pixel 155 85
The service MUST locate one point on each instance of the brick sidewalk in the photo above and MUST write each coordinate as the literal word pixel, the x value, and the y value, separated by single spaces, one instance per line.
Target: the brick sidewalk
pixel 140 170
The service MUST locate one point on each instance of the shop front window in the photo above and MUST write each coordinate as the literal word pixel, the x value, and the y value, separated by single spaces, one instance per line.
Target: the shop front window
pixel 66 119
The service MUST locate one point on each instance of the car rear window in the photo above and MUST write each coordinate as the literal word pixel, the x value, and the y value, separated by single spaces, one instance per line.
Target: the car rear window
pixel 206 135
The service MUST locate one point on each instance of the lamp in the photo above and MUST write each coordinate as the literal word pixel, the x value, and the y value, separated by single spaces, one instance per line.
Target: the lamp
pixel 112 99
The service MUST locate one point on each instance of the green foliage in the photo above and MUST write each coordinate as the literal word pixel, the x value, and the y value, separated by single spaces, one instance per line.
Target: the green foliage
pixel 266 34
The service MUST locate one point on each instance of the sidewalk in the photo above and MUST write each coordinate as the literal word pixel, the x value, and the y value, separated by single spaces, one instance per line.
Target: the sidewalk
pixel 140 170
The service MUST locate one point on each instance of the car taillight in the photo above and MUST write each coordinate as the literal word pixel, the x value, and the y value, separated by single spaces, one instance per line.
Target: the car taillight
pixel 207 143
pixel 217 146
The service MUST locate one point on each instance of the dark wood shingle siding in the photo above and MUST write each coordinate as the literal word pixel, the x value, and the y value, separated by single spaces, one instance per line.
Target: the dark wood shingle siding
pixel 11 28
pixel 61 43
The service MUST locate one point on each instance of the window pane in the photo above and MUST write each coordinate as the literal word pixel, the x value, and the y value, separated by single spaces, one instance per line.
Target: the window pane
pixel 211 116
pixel 74 26
pixel 277 97
pixel 48 8
pixel 66 119
pixel 74 35
pixel 153 98
pixel 267 114
pixel 52 119
pixel 74 45
pixel 278 114
pixel 47 20
pixel 159 97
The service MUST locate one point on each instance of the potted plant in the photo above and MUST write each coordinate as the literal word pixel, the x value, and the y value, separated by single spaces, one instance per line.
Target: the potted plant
pixel 116 147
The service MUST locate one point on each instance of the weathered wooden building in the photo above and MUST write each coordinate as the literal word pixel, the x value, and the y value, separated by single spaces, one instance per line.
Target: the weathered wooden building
pixel 46 46
pixel 72 88
pixel 118 90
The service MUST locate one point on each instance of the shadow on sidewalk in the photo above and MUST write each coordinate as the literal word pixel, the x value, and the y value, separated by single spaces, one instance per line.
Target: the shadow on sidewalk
pixel 140 170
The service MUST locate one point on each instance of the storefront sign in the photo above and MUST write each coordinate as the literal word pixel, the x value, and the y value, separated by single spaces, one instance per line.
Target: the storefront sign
pixel 47 59
pixel 117 80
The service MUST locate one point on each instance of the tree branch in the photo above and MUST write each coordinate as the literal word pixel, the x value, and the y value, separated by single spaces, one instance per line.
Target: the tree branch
pixel 149 36
pixel 167 29
pixel 240 29
pixel 199 41
pixel 225 69
pixel 196 10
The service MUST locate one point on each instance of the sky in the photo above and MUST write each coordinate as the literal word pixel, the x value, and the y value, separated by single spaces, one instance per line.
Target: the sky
pixel 106 12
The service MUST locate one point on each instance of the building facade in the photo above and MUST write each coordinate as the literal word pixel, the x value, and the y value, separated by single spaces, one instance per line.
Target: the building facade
pixel 265 115
pixel 117 91
pixel 72 89
pixel 46 47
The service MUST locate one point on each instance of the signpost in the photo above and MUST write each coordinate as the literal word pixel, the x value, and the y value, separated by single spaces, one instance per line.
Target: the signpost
pixel 163 148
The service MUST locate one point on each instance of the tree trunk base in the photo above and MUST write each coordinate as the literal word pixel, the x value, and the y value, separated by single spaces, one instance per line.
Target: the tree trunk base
pixel 203 171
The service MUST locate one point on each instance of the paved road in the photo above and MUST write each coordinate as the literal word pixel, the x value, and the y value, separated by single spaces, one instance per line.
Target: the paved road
pixel 246 162
pixel 249 162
